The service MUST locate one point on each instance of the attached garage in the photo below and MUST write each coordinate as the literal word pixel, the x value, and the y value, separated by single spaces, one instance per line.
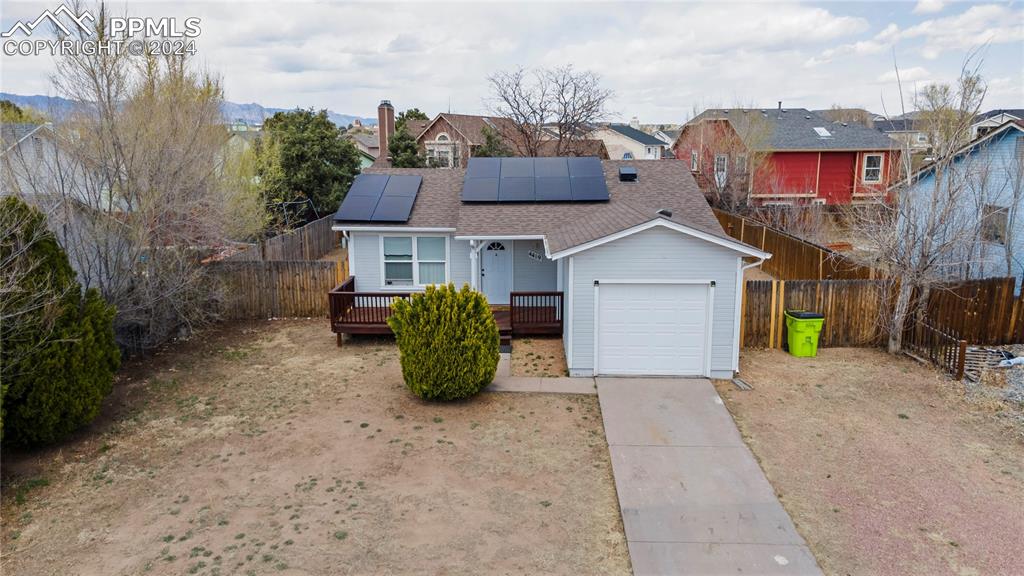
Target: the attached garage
pixel 657 299
pixel 650 327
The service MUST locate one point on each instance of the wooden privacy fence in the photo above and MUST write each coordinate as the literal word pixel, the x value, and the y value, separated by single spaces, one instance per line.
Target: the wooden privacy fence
pixel 851 309
pixel 793 258
pixel 276 289
pixel 310 242
pixel 980 312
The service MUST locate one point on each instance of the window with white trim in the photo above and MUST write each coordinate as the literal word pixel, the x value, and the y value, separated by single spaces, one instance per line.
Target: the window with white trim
pixel 993 223
pixel 693 160
pixel 872 172
pixel 721 169
pixel 415 260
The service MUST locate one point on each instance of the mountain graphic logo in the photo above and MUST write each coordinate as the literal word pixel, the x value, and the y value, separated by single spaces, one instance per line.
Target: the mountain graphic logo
pixel 27 28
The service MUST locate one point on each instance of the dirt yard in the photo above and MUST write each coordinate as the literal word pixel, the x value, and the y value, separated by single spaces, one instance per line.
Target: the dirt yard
pixel 267 450
pixel 539 356
pixel 882 463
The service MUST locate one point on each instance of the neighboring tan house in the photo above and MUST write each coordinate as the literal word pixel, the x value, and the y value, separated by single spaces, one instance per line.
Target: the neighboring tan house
pixel 988 121
pixel 625 142
pixel 988 175
pixel 448 140
pixel 624 259
pixel 786 157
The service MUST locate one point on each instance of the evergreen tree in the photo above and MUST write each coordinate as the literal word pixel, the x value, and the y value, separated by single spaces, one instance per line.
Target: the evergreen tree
pixel 58 357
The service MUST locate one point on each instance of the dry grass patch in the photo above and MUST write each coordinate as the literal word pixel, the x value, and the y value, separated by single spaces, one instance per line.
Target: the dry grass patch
pixel 882 463
pixel 266 449
pixel 539 356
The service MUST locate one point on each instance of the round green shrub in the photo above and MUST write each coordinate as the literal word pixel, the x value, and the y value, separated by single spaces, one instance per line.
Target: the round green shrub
pixel 448 342
pixel 58 357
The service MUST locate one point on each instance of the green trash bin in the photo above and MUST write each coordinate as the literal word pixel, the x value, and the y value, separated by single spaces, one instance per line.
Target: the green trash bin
pixel 802 329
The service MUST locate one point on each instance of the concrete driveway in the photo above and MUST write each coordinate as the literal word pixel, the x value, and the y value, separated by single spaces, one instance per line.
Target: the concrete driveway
pixel 692 497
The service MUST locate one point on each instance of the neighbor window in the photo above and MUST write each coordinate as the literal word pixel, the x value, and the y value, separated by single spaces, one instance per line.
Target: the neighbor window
pixel 414 260
pixel 872 168
pixel 741 163
pixel 721 169
pixel 627 156
pixel 693 160
pixel 993 223
pixel 922 138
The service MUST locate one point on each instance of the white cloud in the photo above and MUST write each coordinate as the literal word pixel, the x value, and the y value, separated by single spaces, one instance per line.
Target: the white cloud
pixel 929 6
pixel 913 74
pixel 660 59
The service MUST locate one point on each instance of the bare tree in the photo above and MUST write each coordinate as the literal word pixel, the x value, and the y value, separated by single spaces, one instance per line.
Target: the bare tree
pixel 558 104
pixel 135 186
pixel 922 234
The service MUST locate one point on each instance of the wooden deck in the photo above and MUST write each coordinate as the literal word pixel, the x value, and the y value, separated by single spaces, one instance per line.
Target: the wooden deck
pixel 367 312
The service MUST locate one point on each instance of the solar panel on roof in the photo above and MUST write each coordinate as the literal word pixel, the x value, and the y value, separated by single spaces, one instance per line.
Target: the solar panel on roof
pixel 516 190
pixel 517 167
pixel 403 186
pixel 551 167
pixel 483 168
pixel 553 190
pixel 480 190
pixel 393 209
pixel 368 185
pixel 379 198
pixel 588 189
pixel 534 180
pixel 356 208
pixel 585 166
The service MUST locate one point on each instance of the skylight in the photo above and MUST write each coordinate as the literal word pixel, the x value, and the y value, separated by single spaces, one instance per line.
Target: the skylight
pixel 822 132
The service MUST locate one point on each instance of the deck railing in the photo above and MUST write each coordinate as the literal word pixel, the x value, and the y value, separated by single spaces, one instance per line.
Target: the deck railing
pixel 361 312
pixel 367 312
pixel 537 312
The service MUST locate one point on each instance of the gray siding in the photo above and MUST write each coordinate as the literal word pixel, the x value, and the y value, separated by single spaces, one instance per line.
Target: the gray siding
pixel 529 274
pixel 458 262
pixel 365 250
pixel 658 253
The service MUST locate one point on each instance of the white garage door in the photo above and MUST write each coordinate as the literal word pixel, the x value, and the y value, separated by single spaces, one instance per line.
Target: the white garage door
pixel 652 329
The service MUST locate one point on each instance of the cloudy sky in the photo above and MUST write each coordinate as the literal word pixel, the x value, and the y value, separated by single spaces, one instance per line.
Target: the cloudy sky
pixel 661 59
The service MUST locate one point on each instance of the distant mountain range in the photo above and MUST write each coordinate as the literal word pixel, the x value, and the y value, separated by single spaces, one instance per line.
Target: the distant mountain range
pixel 251 114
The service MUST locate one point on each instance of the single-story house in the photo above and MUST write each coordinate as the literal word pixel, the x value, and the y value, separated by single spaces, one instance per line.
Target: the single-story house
pixel 624 259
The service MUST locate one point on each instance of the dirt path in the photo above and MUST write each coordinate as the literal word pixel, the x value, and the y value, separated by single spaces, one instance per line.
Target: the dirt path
pixel 882 465
pixel 269 450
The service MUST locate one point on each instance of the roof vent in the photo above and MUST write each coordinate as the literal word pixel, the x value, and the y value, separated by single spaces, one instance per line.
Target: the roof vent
pixel 627 174
pixel 808 117
pixel 665 212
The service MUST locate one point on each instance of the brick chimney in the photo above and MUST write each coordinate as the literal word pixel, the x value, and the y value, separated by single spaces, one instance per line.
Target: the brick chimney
pixel 385 126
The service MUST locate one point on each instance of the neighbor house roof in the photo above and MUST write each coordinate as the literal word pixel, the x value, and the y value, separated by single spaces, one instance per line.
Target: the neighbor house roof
pixel 793 129
pixel 471 127
pixel 13 134
pixel 366 139
pixel 896 125
pixel 564 225
pixel 1017 113
pixel 1015 125
pixel 635 134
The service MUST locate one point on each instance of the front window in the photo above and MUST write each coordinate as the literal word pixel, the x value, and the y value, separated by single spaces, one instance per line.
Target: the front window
pixel 872 168
pixel 414 260
pixel 993 223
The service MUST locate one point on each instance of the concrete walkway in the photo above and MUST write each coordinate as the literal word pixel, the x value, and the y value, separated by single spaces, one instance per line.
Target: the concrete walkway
pixel 692 497
pixel 505 382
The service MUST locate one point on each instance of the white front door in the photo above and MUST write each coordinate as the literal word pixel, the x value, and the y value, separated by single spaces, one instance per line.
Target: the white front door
pixel 496 272
pixel 653 329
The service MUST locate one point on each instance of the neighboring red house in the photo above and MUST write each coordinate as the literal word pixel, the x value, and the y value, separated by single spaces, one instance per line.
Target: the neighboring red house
pixel 785 157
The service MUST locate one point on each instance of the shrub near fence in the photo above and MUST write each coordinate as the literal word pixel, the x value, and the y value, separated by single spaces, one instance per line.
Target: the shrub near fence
pixel 793 258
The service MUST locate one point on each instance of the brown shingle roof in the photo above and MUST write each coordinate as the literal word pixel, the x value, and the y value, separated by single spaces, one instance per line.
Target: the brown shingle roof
pixel 662 184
